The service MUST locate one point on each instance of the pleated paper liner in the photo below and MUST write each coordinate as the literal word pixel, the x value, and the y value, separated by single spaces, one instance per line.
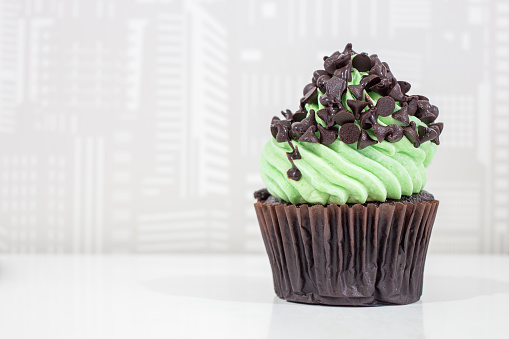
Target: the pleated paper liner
pixel 341 255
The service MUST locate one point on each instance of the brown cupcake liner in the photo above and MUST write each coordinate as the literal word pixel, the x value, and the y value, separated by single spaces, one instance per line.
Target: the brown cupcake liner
pixel 347 255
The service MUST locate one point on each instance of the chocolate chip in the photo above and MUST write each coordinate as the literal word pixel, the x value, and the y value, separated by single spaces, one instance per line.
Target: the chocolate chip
pixel 310 119
pixel 431 134
pixel 322 81
pixel 427 117
pixel 422 97
pixel 402 114
pixel 273 128
pixel 348 48
pixel 327 135
pixel 297 117
pixel 382 87
pixel 357 91
pixel 362 62
pixel 374 60
pixel 310 136
pixel 380 132
pixel 434 109
pixel 368 119
pixel 317 73
pixel 379 70
pixel 299 128
pixel 440 126
pixel 335 61
pixel 349 133
pixel 405 86
pixel 345 72
pixel 386 65
pixel 326 100
pixel 344 117
pixel 395 133
pixel 365 140
pixel 356 106
pixel 336 54
pixel 343 59
pixel 412 106
pixel 327 115
pixel 410 132
pixel 422 107
pixel 283 130
pixel 427 134
pixel 307 88
pixel 335 88
pixel 294 173
pixel 396 93
pixel 437 130
pixel 421 130
pixel 287 114
pixel 369 81
pixel 385 106
pixel 310 96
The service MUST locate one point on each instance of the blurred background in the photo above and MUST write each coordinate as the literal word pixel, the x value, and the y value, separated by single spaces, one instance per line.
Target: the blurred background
pixel 136 126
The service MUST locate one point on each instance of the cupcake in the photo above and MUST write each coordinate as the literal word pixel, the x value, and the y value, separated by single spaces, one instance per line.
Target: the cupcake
pixel 344 217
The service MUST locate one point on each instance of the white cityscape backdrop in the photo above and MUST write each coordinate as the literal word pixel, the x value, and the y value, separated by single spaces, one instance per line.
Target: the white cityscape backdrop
pixel 136 125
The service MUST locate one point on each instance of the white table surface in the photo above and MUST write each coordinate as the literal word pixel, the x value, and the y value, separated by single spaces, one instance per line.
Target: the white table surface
pixel 211 296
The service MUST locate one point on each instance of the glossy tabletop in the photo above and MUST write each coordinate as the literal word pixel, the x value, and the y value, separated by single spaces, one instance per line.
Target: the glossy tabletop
pixel 213 296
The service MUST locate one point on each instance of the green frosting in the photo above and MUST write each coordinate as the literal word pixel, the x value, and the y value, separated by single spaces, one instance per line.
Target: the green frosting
pixel 339 173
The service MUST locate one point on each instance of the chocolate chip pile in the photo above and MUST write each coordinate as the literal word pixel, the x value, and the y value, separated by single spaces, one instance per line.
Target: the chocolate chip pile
pixel 339 121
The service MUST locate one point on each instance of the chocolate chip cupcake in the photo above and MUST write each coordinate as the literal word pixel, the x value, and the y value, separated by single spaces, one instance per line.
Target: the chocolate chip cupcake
pixel 344 217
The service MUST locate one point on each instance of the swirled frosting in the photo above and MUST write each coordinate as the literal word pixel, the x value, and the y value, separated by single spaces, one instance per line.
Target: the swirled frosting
pixel 357 137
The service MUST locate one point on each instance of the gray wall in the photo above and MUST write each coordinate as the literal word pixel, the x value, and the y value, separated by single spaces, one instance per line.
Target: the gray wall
pixel 136 126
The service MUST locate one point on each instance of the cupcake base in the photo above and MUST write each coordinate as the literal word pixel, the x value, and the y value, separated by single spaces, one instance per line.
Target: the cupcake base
pixel 360 255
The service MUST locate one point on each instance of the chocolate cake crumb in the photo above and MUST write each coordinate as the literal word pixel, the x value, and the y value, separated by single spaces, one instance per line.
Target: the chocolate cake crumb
pixel 262 194
pixel 272 200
